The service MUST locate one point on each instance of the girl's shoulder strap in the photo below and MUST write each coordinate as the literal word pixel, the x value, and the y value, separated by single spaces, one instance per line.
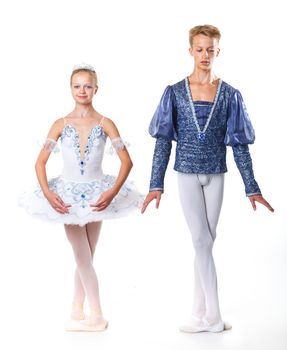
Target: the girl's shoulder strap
pixel 102 121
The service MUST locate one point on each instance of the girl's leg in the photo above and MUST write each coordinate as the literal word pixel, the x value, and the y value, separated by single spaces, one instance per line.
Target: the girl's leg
pixel 93 232
pixel 79 298
pixel 80 242
pixel 198 213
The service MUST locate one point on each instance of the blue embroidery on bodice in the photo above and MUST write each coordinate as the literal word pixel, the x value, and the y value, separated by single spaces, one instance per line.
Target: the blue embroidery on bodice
pixel 96 133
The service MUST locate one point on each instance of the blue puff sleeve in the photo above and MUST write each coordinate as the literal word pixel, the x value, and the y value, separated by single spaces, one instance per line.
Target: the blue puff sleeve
pixel 239 128
pixel 163 121
pixel 162 127
pixel 239 134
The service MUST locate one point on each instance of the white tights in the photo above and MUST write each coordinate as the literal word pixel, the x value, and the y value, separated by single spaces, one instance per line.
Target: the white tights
pixel 84 240
pixel 201 199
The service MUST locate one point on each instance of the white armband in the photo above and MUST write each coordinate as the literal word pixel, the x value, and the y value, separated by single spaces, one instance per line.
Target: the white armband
pixel 50 145
pixel 117 144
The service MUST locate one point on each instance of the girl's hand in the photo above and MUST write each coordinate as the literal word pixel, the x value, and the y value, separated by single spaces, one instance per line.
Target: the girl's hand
pixel 259 199
pixel 150 197
pixel 57 203
pixel 104 200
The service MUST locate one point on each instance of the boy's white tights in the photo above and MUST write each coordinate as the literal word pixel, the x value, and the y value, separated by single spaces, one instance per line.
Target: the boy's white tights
pixel 84 240
pixel 201 199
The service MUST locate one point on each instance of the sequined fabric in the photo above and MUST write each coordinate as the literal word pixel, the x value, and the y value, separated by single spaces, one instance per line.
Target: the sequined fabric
pixel 228 125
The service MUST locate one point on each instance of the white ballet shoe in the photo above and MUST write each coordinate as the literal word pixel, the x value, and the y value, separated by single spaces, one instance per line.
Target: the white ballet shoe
pixel 227 326
pixel 87 325
pixel 205 327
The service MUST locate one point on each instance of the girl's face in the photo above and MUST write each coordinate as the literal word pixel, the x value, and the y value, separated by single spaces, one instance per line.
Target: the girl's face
pixel 204 50
pixel 83 87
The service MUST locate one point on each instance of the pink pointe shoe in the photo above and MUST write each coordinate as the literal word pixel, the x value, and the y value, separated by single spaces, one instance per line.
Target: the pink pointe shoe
pixel 98 324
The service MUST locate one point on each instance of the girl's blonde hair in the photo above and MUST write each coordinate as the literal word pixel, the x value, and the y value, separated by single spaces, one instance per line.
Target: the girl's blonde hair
pixel 205 29
pixel 91 72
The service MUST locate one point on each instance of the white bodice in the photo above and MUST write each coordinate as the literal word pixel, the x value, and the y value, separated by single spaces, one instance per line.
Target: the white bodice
pixel 87 166
pixel 82 181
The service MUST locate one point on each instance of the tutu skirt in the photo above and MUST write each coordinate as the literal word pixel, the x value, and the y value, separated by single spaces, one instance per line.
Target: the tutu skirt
pixel 80 195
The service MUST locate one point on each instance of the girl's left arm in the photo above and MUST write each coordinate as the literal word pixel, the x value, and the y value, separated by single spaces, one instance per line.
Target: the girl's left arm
pixel 106 197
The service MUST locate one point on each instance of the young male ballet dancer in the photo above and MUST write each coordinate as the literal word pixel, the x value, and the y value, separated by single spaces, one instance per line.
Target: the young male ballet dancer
pixel 203 114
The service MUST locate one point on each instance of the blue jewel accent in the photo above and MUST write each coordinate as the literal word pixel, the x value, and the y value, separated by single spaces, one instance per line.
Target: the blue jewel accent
pixel 82 195
pixel 83 206
pixel 201 136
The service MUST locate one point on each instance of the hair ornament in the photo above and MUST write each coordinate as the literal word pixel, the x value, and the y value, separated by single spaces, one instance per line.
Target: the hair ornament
pixel 84 66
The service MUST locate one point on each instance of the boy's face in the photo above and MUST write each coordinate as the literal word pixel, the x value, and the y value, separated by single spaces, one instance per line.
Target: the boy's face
pixel 204 50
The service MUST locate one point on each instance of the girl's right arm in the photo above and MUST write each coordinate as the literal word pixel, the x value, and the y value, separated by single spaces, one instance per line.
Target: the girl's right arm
pixel 40 167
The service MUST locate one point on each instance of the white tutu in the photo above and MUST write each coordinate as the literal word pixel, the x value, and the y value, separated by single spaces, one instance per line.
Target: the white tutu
pixel 81 183
pixel 80 196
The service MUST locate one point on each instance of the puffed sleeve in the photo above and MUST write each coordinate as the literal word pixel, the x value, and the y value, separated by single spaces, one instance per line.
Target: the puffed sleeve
pixel 163 121
pixel 239 135
pixel 163 128
pixel 239 128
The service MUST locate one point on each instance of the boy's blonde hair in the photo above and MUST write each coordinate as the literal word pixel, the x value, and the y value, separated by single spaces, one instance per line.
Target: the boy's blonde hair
pixel 205 29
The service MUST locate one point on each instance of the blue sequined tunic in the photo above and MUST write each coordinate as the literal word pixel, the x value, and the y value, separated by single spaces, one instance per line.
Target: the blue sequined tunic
pixel 202 131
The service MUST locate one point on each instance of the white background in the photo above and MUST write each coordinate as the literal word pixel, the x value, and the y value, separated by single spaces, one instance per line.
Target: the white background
pixel 144 263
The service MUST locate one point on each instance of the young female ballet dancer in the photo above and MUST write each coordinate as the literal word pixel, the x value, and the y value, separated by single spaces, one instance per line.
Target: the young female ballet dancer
pixel 203 114
pixel 83 196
